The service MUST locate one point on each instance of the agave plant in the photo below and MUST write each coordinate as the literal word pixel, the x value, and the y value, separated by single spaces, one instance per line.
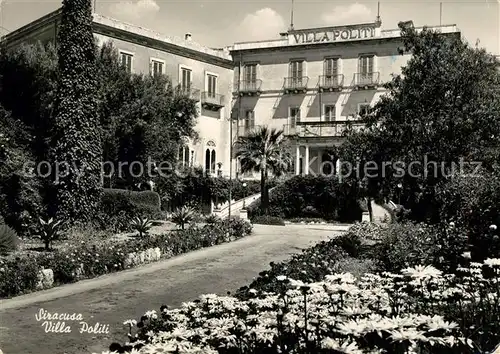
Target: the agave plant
pixel 8 239
pixel 142 226
pixel 183 216
pixel 49 232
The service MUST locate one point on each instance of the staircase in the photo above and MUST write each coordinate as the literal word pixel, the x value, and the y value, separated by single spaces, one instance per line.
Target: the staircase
pixel 237 205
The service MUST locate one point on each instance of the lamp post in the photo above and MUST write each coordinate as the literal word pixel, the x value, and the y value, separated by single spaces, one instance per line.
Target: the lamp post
pixel 400 189
pixel 244 193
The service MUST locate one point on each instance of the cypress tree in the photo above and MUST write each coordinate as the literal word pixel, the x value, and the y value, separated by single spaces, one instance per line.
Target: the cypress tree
pixel 77 153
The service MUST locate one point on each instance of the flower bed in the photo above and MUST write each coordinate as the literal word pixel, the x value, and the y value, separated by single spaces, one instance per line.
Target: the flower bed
pixel 419 310
pixel 29 272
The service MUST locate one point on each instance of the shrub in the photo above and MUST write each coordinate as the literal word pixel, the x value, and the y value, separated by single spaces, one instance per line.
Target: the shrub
pixel 237 226
pixel 314 197
pixel 142 226
pixel 49 231
pixel 404 244
pixel 268 220
pixel 349 243
pixel 212 219
pixel 119 206
pixel 8 239
pixel 90 259
pixel 183 216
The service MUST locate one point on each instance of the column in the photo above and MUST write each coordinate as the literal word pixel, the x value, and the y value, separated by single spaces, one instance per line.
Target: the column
pixel 297 160
pixel 306 162
pixel 337 167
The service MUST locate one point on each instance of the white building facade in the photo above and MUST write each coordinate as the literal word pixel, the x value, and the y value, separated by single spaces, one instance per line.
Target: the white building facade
pixel 311 83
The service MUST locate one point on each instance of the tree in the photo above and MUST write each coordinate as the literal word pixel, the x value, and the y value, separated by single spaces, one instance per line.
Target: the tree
pixel 142 117
pixel 264 150
pixel 443 109
pixel 77 135
pixel 20 198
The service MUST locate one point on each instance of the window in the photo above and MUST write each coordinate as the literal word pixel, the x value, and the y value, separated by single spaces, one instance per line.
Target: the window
pixel 249 120
pixel 126 61
pixel 331 71
pixel 210 156
pixel 294 113
pixel 184 154
pixel 157 67
pixel 186 79
pixel 366 64
pixel 211 85
pixel 296 73
pixel 329 112
pixel 363 108
pixel 250 77
pixel 250 73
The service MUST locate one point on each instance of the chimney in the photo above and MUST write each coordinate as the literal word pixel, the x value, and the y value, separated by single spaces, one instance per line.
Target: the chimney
pixel 187 36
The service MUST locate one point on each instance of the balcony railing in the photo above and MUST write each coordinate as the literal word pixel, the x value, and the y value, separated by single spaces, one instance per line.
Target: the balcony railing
pixel 366 80
pixel 321 129
pixel 191 93
pixel 212 100
pixel 331 82
pixel 250 86
pixel 246 130
pixel 296 84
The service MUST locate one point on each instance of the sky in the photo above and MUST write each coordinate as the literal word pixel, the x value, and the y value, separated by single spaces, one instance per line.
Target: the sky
pixel 219 23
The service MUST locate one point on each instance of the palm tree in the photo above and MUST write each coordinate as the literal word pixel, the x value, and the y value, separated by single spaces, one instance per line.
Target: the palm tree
pixel 263 150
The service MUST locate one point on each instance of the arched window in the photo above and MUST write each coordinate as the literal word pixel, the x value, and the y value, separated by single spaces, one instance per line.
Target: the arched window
pixel 186 155
pixel 207 160
pixel 212 162
pixel 210 157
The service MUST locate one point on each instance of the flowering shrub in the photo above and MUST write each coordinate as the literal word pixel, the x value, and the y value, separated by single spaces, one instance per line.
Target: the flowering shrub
pixel 419 310
pixel 403 244
pixel 86 260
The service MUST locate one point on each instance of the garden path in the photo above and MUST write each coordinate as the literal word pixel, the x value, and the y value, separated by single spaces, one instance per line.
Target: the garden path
pixel 114 298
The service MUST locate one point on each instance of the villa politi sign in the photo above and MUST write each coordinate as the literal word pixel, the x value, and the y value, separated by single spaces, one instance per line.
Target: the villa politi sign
pixel 332 35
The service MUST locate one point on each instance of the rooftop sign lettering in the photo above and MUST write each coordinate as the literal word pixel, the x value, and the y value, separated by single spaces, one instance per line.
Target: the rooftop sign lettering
pixel 332 35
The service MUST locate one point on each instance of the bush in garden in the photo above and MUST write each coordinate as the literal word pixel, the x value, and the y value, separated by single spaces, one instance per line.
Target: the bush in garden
pixel 268 220
pixel 473 205
pixel 417 310
pixel 183 216
pixel 8 239
pixel 142 226
pixel 349 243
pixel 404 244
pixel 49 231
pixel 87 260
pixel 212 219
pixel 312 196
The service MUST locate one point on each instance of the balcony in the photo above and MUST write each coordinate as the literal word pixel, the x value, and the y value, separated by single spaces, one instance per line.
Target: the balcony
pixel 366 80
pixel 250 88
pixel 191 93
pixel 247 130
pixel 321 129
pixel 296 84
pixel 331 82
pixel 212 101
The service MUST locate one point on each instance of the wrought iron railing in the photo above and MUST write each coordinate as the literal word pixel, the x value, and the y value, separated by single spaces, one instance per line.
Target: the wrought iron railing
pixel 331 81
pixel 250 85
pixel 296 82
pixel 321 128
pixel 213 99
pixel 367 79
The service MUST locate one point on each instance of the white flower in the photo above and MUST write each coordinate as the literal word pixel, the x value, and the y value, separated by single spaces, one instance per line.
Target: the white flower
pixel 492 262
pixel 281 277
pixel 493 227
pixel 466 255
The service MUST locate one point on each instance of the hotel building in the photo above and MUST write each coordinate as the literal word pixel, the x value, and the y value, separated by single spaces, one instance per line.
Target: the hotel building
pixel 311 83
